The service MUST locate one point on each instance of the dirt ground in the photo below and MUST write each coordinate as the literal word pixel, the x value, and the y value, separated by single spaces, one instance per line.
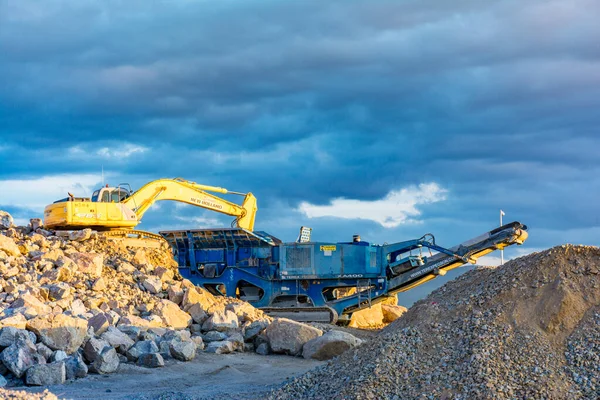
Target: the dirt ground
pixel 209 376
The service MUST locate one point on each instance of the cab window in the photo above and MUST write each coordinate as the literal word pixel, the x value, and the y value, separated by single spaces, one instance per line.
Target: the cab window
pixel 105 196
pixel 95 195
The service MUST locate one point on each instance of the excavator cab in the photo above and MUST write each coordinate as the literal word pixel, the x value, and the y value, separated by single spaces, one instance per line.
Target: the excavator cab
pixel 111 194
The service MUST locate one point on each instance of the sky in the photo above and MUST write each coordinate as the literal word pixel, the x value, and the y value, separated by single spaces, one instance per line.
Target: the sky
pixel 388 119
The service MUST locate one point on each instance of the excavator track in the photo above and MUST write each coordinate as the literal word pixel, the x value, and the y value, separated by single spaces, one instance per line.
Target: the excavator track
pixel 304 314
pixel 135 238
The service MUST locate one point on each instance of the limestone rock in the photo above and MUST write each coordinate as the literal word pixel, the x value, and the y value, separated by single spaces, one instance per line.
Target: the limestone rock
pixel 331 344
pixel 256 327
pixel 58 291
pixel 29 300
pixel 35 223
pixel 222 347
pixel 183 351
pixel 392 312
pixel 153 285
pixel 80 236
pixel 141 347
pixel 9 246
pixel 6 220
pixel 46 374
pixel 287 336
pixel 151 360
pixel 221 321
pixel 75 367
pixel 106 362
pixel 100 322
pixel 17 321
pixel 175 294
pixel 245 311
pixel 9 334
pixel 214 336
pixel 59 332
pixel 99 285
pixel 172 315
pixel 263 349
pixel 197 313
pixel 198 341
pixel 58 355
pixel 237 340
pixel 19 356
pixel 197 295
pixel 93 348
pixel 117 339
pixel 164 274
pixel 89 263
pixel 44 350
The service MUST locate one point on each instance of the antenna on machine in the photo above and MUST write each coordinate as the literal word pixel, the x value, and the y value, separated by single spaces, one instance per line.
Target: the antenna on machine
pixel 102 166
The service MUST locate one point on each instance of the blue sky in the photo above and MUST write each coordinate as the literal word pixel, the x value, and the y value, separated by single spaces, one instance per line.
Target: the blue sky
pixel 389 119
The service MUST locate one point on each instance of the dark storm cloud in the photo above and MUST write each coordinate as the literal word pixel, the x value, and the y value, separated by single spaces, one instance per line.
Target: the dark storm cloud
pixel 310 101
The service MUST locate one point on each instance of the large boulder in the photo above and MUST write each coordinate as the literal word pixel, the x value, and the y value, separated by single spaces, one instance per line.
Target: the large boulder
pixel 9 246
pixel 330 345
pixel 9 334
pixel 80 236
pixel 151 360
pixel 59 332
pixel 46 374
pixel 141 347
pixel 17 321
pixel 288 337
pixel 214 336
pixel 197 295
pixel 6 220
pixel 100 322
pixel 222 347
pixel 28 300
pixel 245 311
pixel 19 356
pixel 75 367
pixel 152 284
pixel 89 263
pixel 172 315
pixel 117 339
pixel 93 348
pixel 255 328
pixel 106 362
pixel 58 290
pixel 221 321
pixel 197 313
pixel 392 312
pixel 183 351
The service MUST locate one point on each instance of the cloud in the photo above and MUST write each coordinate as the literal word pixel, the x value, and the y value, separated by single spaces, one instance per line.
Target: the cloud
pixel 122 152
pixel 396 208
pixel 35 194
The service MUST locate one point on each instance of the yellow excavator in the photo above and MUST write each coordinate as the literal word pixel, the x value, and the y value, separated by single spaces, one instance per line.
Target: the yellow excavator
pixel 118 210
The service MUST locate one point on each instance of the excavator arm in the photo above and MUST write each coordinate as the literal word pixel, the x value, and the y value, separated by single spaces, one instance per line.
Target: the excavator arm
pixel 193 193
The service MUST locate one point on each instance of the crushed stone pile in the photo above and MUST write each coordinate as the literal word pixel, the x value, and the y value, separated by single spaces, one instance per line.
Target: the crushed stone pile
pixel 76 303
pixel 528 329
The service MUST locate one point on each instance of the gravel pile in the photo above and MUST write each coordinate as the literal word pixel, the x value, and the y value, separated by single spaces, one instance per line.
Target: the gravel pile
pixel 529 329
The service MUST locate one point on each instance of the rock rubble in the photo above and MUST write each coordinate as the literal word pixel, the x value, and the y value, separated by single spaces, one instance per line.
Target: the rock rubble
pixel 77 302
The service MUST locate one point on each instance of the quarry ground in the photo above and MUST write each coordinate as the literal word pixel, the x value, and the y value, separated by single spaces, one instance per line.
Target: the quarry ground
pixel 209 376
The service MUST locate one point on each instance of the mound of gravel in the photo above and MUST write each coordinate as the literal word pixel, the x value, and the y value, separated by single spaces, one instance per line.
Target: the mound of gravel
pixel 529 329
